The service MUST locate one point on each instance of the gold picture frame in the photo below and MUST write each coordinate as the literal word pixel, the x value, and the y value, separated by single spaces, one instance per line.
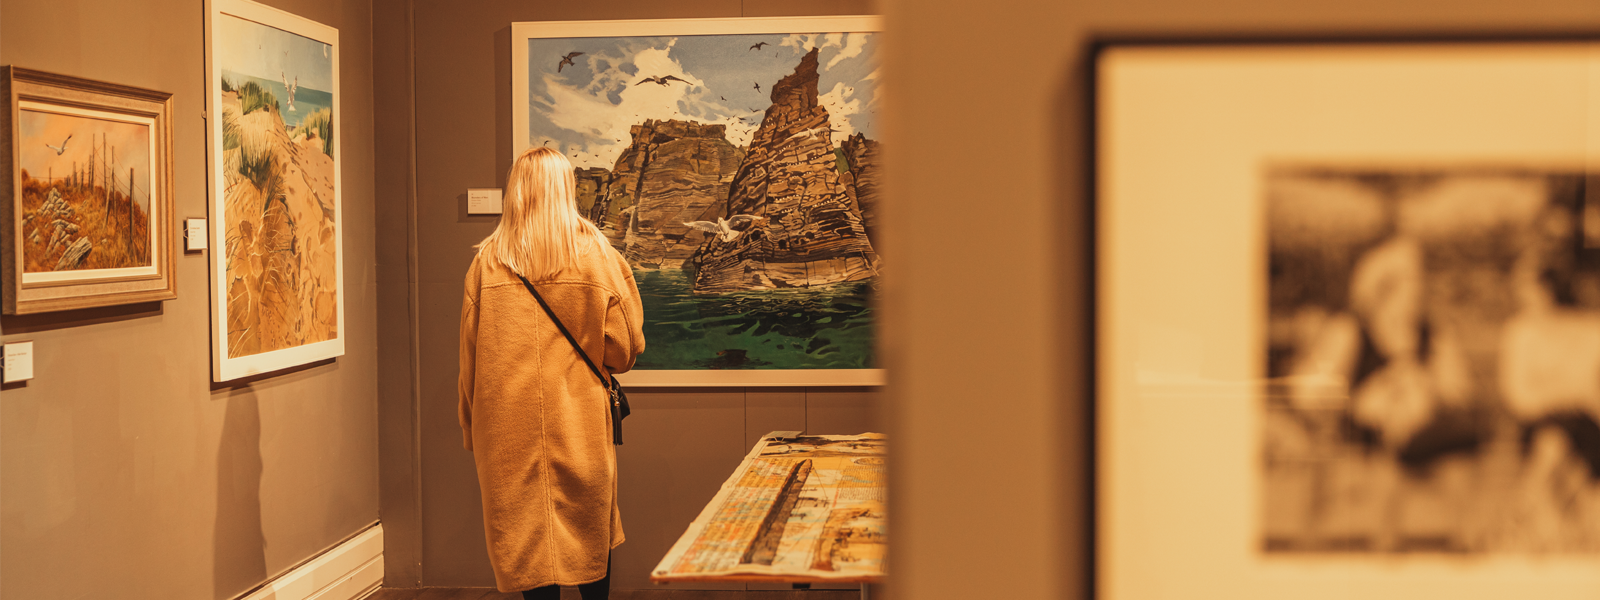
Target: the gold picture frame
pixel 94 228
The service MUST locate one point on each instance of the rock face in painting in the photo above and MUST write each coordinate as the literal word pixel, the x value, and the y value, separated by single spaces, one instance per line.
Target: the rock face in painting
pixel 674 172
pixel 595 202
pixel 811 234
pixel 861 183
pixel 281 276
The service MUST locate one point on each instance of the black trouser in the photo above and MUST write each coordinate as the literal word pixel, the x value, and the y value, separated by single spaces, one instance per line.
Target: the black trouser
pixel 594 590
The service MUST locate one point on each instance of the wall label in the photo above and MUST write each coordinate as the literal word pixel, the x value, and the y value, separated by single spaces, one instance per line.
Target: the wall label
pixel 19 361
pixel 483 201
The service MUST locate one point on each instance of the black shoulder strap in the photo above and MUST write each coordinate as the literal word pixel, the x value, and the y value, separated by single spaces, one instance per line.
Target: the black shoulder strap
pixel 564 332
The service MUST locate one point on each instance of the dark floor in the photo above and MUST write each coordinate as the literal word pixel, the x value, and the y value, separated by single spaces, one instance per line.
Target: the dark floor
pixel 572 594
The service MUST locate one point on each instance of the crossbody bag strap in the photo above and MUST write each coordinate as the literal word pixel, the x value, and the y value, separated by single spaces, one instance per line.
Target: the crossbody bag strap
pixel 564 332
pixel 614 392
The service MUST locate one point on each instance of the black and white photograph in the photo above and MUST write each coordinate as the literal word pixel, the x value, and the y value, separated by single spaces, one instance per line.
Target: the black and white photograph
pixel 1433 362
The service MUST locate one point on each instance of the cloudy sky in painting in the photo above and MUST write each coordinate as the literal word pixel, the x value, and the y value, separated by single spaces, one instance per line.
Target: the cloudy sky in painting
pixel 586 109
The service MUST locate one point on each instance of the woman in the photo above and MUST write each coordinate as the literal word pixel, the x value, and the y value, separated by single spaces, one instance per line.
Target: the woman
pixel 534 416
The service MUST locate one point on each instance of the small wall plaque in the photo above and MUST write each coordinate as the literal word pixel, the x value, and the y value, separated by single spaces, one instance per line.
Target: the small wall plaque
pixel 194 234
pixel 19 361
pixel 483 201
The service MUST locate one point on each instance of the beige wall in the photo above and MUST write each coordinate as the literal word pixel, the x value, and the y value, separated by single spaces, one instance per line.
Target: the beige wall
pixel 125 473
pixel 444 66
pixel 990 144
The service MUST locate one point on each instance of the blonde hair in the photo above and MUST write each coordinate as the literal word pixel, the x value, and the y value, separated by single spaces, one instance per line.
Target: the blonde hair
pixel 540 230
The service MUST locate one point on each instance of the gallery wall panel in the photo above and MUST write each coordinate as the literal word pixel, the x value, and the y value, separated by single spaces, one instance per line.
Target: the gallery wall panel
pixel 1031 121
pixel 462 118
pixel 123 468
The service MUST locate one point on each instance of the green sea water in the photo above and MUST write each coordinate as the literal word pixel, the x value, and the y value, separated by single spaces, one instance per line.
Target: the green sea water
pixel 813 328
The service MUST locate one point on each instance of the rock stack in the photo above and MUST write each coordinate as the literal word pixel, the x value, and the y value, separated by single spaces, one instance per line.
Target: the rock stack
pixel 595 203
pixel 813 232
pixel 674 172
pixel 861 183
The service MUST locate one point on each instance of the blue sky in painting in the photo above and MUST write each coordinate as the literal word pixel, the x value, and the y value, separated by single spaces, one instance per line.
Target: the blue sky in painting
pixel 253 49
pixel 586 108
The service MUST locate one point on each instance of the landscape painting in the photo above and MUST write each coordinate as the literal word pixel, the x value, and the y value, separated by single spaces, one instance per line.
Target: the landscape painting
pixel 276 212
pixel 86 202
pixel 87 212
pixel 738 174
pixel 1434 348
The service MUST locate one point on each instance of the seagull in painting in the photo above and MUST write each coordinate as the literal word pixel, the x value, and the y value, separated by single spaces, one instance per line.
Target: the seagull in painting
pixel 567 60
pixel 727 229
pixel 663 80
pixel 291 87
pixel 757 46
pixel 758 85
pixel 62 148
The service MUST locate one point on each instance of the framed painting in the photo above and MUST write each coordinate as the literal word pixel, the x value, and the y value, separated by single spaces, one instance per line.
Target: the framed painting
pixel 1349 320
pixel 735 164
pixel 277 268
pixel 88 178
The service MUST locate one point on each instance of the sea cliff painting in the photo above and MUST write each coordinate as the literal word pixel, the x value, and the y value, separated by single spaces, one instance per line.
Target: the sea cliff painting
pixel 738 174
pixel 277 210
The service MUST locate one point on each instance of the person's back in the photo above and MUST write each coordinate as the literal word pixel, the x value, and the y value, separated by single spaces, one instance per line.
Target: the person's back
pixel 535 417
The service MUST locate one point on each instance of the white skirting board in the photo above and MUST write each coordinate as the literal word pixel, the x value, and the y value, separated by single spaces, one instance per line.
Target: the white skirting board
pixel 348 571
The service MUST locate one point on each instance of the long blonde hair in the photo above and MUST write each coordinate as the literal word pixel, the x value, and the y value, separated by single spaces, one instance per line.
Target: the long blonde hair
pixel 540 230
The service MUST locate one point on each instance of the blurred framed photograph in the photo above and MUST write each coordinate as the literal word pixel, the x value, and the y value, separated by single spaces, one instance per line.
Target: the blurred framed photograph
pixel 88 180
pixel 1349 320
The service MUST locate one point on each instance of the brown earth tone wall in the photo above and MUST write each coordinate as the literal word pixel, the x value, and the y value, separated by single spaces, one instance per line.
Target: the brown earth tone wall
pixel 123 472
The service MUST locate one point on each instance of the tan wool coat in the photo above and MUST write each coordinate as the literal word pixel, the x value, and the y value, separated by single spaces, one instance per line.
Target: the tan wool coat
pixel 538 421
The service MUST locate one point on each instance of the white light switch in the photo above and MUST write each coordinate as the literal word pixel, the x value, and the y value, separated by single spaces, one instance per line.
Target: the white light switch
pixel 194 234
pixel 483 201
pixel 19 361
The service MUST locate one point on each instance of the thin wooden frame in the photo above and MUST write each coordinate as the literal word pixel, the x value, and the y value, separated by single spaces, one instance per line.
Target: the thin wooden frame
pixel 224 366
pixel 1185 134
pixel 522 32
pixel 41 92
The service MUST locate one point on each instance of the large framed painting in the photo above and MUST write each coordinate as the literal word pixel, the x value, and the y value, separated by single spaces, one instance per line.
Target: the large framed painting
pixel 277 267
pixel 735 164
pixel 1349 320
pixel 88 182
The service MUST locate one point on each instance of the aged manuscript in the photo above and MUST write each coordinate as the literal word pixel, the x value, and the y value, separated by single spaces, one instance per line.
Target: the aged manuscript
pixel 797 509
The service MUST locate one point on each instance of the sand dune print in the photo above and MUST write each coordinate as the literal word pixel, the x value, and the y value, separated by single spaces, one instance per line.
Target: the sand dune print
pixel 281 248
